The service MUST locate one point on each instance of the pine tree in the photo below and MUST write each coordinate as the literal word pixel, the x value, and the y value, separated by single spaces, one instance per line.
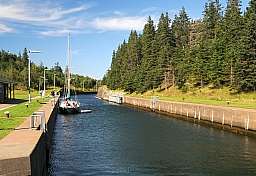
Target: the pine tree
pixel 207 62
pixel 231 33
pixel 147 70
pixel 134 61
pixel 165 43
pixel 247 70
pixel 180 27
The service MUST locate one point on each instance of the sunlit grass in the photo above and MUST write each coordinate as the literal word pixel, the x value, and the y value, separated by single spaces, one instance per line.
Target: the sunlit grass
pixel 18 114
pixel 7 125
pixel 219 97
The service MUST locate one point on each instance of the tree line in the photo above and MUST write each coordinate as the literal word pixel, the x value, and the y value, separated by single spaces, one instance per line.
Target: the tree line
pixel 217 50
pixel 14 67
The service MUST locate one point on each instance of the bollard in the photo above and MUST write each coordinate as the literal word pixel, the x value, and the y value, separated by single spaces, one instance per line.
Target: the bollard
pixel 7 114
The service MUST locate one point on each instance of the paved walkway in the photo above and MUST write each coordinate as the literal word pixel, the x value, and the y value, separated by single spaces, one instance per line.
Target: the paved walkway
pixel 5 106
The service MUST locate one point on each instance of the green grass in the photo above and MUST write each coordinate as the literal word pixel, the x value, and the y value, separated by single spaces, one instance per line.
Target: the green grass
pixel 18 114
pixel 7 125
pixel 21 110
pixel 218 97
pixel 23 94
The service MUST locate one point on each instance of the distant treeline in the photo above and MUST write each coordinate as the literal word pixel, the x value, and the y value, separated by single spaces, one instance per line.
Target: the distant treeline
pixel 218 50
pixel 15 68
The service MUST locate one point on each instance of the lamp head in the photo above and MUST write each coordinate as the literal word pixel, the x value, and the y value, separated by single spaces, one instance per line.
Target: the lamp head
pixel 34 51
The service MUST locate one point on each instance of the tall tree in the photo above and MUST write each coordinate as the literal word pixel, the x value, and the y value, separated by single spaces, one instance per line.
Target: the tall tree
pixel 165 43
pixel 231 32
pixel 147 72
pixel 180 27
pixel 247 70
pixel 207 61
pixel 134 61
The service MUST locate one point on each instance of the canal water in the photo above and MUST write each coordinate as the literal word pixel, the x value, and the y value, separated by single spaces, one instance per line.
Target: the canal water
pixel 120 140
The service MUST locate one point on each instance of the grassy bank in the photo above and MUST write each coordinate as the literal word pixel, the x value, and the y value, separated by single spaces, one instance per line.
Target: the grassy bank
pixel 20 112
pixel 219 97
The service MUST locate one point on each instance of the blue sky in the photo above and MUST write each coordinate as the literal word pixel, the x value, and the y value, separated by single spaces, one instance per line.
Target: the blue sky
pixel 96 27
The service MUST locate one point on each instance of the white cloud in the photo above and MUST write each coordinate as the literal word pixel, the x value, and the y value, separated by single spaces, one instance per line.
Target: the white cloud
pixel 45 15
pixel 56 33
pixel 27 11
pixel 150 10
pixel 5 29
pixel 119 23
pixel 48 18
pixel 118 13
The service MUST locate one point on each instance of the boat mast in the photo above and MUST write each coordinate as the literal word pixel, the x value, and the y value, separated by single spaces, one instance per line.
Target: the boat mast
pixel 69 66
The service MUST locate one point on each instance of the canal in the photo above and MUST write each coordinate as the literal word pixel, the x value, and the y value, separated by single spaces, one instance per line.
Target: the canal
pixel 120 140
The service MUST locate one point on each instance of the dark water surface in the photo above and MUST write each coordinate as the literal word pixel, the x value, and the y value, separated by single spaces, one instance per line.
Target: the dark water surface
pixel 119 140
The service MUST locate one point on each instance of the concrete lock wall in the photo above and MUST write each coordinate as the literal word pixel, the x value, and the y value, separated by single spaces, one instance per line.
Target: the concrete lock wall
pixel 40 155
pixel 233 117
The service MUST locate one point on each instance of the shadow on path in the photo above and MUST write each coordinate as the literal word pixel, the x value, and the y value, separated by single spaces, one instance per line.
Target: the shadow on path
pixel 13 102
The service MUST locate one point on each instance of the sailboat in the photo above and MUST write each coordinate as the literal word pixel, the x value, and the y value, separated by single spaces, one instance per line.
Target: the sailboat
pixel 68 105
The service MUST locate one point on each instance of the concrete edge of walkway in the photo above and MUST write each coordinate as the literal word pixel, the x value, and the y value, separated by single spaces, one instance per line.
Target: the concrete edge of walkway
pixel 24 151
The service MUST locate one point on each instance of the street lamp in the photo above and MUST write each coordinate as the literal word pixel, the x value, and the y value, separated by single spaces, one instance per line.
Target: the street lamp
pixel 54 81
pixel 83 85
pixel 29 78
pixel 44 80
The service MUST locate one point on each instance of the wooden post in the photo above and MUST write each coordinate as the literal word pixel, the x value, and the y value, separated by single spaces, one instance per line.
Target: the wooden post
pixel 10 91
pixel 248 121
pixel 212 116
pixel 223 118
pixel 231 124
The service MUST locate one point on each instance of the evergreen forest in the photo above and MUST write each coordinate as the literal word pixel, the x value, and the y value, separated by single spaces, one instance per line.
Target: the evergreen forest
pixel 14 68
pixel 219 50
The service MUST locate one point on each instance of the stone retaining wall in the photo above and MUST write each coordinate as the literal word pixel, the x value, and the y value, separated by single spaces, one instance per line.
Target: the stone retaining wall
pixel 233 117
